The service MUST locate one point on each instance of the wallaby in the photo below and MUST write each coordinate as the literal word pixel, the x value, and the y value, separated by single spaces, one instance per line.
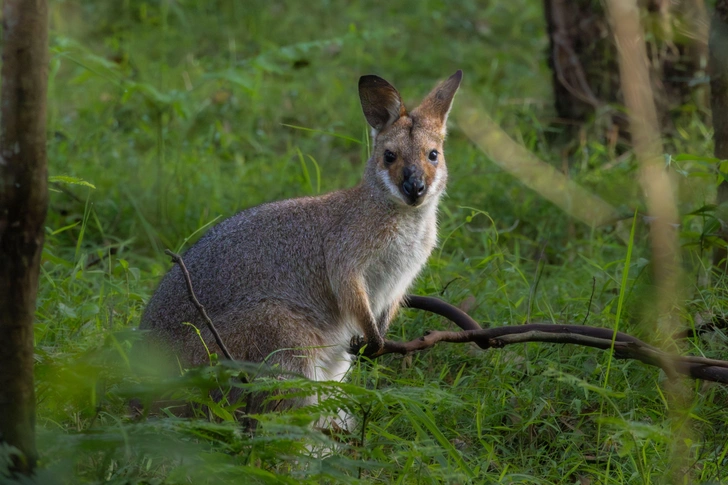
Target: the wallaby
pixel 306 282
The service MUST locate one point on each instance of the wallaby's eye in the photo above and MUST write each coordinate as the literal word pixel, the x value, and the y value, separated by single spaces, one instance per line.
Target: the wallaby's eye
pixel 389 157
pixel 433 156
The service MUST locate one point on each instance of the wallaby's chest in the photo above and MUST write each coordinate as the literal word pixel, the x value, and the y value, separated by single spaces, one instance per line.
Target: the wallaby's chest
pixel 398 262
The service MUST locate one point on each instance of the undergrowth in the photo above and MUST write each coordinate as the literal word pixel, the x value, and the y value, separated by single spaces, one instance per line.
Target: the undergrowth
pixel 167 116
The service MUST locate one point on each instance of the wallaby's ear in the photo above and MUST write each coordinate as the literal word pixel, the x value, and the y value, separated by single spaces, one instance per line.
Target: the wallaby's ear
pixel 437 104
pixel 380 101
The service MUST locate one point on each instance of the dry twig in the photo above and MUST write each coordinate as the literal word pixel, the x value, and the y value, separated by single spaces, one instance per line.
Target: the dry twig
pixel 193 298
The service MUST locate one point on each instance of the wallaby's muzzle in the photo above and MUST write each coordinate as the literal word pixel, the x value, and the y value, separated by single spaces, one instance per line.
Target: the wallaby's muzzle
pixel 413 185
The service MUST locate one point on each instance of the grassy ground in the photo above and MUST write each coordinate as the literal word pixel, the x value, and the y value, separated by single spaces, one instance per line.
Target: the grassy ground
pixel 165 116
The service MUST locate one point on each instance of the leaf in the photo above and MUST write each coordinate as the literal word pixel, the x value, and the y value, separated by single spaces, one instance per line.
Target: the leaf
pixel 687 157
pixel 703 210
pixel 420 416
pixel 136 274
pixel 65 179
pixel 330 133
pixel 67 311
pixel 235 77
pixel 65 228
pixel 712 226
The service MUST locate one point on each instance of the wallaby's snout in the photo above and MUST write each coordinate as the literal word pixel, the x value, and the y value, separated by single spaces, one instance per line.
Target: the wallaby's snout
pixel 413 184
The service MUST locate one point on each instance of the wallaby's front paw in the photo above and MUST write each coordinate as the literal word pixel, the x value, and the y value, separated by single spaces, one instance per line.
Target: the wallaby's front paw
pixel 356 344
pixel 368 348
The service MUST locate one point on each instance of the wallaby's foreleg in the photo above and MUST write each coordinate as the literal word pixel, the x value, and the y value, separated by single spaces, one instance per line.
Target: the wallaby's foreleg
pixel 354 302
pixel 386 317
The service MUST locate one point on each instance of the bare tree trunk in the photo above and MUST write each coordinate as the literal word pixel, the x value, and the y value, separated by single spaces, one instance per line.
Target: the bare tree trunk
pixel 583 57
pixel 718 68
pixel 23 206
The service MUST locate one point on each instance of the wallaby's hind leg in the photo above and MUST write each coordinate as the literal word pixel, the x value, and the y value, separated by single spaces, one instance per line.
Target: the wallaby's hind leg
pixel 308 356
pixel 279 338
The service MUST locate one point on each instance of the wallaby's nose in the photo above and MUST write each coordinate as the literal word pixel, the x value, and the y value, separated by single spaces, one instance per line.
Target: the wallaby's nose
pixel 413 186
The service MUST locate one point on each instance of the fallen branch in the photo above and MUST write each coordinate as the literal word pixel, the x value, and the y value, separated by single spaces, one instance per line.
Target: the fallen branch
pixel 624 346
pixel 201 309
pixel 444 309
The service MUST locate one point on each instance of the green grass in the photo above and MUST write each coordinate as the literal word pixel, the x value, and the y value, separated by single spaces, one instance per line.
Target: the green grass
pixel 179 113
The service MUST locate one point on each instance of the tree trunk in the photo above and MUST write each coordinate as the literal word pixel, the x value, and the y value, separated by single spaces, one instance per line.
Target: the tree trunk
pixel 23 206
pixel 718 68
pixel 583 57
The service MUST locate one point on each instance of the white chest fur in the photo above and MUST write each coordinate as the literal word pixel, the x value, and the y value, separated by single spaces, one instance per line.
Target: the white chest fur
pixel 395 267
pixel 388 274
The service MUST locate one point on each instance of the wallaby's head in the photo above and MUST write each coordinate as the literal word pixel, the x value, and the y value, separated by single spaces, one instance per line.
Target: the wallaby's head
pixel 407 157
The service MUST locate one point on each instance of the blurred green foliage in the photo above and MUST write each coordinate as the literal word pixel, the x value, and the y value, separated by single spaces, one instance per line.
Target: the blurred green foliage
pixel 166 115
